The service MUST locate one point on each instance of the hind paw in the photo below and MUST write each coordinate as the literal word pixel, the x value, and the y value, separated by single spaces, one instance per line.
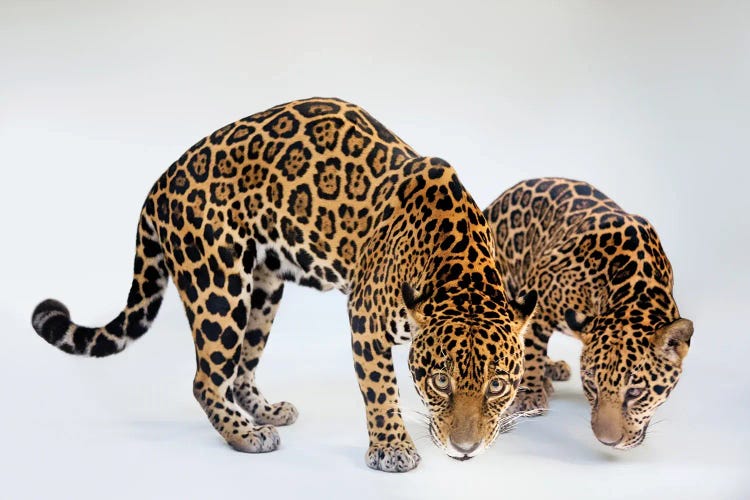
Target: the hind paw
pixel 282 413
pixel 558 371
pixel 260 439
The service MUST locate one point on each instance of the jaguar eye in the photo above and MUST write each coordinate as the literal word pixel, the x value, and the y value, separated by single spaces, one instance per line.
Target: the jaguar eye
pixel 442 382
pixel 497 387
pixel 633 393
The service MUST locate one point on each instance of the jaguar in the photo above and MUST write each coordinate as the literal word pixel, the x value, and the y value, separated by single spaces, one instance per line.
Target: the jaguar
pixel 601 276
pixel 319 193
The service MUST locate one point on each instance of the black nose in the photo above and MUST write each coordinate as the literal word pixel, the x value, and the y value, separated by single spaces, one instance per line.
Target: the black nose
pixel 465 448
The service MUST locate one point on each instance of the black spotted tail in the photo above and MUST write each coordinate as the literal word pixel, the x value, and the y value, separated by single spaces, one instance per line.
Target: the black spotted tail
pixel 51 319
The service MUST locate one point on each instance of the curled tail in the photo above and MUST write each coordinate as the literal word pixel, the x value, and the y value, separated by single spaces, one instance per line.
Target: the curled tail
pixel 51 319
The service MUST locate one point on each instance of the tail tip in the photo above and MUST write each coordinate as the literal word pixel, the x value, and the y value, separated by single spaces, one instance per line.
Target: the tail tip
pixel 44 310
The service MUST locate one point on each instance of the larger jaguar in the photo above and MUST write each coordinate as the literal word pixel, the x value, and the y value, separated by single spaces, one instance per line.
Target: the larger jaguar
pixel 318 192
pixel 603 277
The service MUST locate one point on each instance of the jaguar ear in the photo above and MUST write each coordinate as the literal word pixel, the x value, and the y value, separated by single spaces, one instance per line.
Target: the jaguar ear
pixel 412 298
pixel 673 340
pixel 525 303
pixel 576 321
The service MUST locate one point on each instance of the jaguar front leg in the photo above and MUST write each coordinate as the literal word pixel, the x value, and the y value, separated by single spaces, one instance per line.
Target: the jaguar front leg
pixel 391 448
pixel 536 386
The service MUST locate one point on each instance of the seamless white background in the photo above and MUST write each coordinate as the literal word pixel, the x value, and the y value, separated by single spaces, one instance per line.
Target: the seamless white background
pixel 646 100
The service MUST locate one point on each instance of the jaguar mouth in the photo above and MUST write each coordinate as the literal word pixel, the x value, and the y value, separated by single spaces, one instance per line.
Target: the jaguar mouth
pixel 464 451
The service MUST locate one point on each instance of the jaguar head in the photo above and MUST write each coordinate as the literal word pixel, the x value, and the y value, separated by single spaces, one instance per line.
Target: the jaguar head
pixel 466 363
pixel 626 377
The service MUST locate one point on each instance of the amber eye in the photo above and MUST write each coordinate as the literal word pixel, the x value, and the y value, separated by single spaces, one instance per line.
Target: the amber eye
pixel 497 387
pixel 442 382
pixel 633 393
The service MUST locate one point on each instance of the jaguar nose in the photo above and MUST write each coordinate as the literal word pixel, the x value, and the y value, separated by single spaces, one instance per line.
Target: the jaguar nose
pixel 607 424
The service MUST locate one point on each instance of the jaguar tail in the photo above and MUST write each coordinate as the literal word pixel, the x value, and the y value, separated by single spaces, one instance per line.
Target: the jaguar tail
pixel 51 319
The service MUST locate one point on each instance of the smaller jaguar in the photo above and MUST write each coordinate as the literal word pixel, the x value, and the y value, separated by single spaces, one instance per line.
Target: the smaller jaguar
pixel 601 275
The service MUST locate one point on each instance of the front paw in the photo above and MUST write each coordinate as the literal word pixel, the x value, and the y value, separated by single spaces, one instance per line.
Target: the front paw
pixel 395 457
pixel 531 403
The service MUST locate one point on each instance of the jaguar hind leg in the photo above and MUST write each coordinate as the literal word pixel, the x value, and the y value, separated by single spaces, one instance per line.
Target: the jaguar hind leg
pixel 216 302
pixel 264 302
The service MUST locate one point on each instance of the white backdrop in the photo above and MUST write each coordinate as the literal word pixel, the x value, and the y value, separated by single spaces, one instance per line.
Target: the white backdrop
pixel 646 100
